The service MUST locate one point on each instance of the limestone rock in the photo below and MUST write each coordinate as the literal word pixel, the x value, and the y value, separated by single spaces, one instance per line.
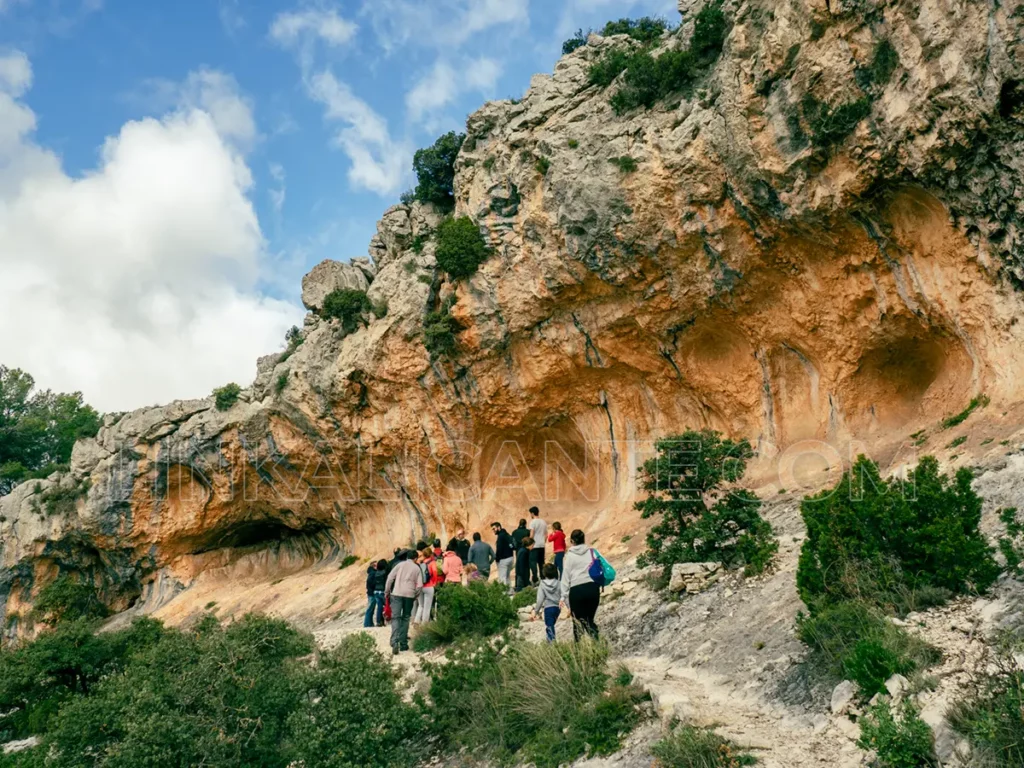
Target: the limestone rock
pixel 897 686
pixel 328 276
pixel 751 274
pixel 693 577
pixel 843 696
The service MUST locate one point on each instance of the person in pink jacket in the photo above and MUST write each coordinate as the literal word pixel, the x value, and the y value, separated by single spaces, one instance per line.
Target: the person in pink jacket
pixel 452 567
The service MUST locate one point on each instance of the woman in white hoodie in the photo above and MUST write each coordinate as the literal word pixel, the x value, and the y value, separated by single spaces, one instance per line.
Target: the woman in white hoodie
pixel 578 588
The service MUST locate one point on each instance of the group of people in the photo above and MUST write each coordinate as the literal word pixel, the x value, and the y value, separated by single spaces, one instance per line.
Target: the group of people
pixel 405 586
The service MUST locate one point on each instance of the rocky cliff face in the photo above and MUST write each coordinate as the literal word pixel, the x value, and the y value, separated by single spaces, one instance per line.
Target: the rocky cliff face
pixel 757 273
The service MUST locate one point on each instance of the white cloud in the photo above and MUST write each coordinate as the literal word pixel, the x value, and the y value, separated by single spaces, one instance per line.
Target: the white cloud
pixel 299 30
pixel 217 94
pixel 443 84
pixel 231 18
pixel 378 162
pixel 277 195
pixel 138 281
pixel 441 23
pixel 15 74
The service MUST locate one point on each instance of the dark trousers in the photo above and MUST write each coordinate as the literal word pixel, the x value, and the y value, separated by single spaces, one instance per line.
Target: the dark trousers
pixel 559 559
pixel 583 602
pixel 401 613
pixel 536 563
pixel 376 600
pixel 550 617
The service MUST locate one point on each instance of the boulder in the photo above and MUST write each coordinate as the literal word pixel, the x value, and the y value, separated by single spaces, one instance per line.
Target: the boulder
pixel 843 695
pixel 328 276
pixel 693 577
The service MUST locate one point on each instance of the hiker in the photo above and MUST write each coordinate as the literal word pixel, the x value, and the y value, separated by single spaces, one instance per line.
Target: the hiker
pixel 376 579
pixel 459 545
pixel 452 566
pixel 557 539
pixel 425 602
pixel 402 588
pixel 519 534
pixel 539 534
pixel 505 552
pixel 523 565
pixel 394 560
pixel 438 552
pixel 481 554
pixel 549 598
pixel 472 573
pixel 578 588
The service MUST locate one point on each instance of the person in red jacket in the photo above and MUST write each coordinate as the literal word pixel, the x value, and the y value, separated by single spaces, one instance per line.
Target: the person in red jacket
pixel 431 578
pixel 557 539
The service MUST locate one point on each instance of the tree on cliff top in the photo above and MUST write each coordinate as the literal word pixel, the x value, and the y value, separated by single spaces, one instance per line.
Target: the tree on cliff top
pixel 700 519
pixel 435 171
pixel 38 430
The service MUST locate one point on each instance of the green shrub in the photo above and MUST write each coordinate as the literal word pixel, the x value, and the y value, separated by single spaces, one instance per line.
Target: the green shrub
pixel 435 171
pixel 542 166
pixel 913 535
pixel 573 143
pixel 690 747
pixel 511 703
pixel 884 62
pixel 644 30
pixel 989 714
pixel 353 714
pixel 626 164
pixel 977 402
pixel 853 640
pixel 226 396
pixel 575 42
pixel 525 598
pixel 282 382
pixel 68 599
pixel 349 560
pixel 709 30
pixel 38 429
pixel 213 695
pixel 439 330
pixel 349 306
pixel 480 609
pixel 460 247
pixel 603 72
pixel 831 125
pixel 689 470
pixel 647 79
pixel 40 677
pixel 903 742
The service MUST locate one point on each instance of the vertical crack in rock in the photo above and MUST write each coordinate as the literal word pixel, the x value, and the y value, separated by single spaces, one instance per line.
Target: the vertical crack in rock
pixel 611 434
pixel 667 354
pixel 590 347
pixel 767 399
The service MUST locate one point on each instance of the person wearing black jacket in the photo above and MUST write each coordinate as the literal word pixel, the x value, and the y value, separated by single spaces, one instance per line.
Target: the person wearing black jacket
pixel 376 580
pixel 459 544
pixel 523 565
pixel 519 534
pixel 504 553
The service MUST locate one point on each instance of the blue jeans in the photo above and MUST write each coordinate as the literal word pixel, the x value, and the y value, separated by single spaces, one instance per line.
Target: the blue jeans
pixel 550 617
pixel 559 558
pixel 376 599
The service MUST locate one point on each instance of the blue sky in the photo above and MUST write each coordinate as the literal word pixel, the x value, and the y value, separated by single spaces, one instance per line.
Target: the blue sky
pixel 309 111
